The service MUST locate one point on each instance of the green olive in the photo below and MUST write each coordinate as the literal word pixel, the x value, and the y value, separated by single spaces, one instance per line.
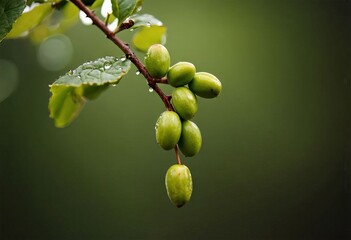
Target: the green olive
pixel 181 74
pixel 157 61
pixel 205 85
pixel 179 184
pixel 168 129
pixel 184 102
pixel 190 140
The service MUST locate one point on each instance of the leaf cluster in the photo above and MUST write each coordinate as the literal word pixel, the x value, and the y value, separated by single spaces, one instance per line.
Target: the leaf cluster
pixel 38 19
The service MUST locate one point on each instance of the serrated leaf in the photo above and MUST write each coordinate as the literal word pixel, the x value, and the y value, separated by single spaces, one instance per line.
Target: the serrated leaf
pixel 87 82
pixel 148 36
pixel 144 20
pixel 10 10
pixel 28 20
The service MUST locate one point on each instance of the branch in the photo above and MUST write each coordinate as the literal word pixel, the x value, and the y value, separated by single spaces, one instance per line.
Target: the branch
pixel 126 50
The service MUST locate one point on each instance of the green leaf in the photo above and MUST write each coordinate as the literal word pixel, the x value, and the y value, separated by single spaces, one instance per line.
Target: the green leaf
pixel 96 4
pixel 10 10
pixel 58 23
pixel 148 36
pixel 71 91
pixel 145 20
pixel 122 9
pixel 30 20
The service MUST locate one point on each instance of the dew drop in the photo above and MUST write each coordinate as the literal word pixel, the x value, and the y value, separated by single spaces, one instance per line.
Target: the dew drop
pixel 148 24
pixel 137 72
pixel 70 72
pixel 151 89
pixel 123 59
pixel 107 66
pixel 132 29
pixel 139 9
pixel 78 76
pixel 114 85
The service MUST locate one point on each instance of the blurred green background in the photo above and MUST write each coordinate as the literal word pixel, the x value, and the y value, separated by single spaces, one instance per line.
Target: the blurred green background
pixel 275 161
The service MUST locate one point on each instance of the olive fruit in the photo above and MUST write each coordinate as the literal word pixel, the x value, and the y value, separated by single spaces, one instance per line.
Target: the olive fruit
pixel 205 85
pixel 168 129
pixel 184 102
pixel 157 60
pixel 181 74
pixel 179 184
pixel 190 139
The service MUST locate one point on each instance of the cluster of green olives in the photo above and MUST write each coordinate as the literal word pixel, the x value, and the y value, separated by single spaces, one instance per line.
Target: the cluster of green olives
pixel 175 128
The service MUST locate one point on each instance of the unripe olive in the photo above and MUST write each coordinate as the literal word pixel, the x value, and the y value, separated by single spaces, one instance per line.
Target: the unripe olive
pixel 181 74
pixel 190 140
pixel 179 184
pixel 205 85
pixel 184 102
pixel 168 129
pixel 157 60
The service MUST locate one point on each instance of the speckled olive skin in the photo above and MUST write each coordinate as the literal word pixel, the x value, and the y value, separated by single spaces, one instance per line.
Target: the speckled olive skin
pixel 157 61
pixel 205 85
pixel 184 102
pixel 181 74
pixel 179 184
pixel 190 140
pixel 168 129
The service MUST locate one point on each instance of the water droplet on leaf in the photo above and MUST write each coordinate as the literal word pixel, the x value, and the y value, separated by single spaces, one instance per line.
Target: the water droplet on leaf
pixel 107 66
pixel 151 89
pixel 137 72
pixel 123 59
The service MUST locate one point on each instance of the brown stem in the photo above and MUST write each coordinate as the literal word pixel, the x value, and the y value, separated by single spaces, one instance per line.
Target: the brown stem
pixel 126 50
pixel 162 80
pixel 177 154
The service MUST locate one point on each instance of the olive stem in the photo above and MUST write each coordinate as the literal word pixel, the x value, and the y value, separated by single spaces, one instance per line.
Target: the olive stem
pixel 126 50
pixel 177 154
pixel 162 80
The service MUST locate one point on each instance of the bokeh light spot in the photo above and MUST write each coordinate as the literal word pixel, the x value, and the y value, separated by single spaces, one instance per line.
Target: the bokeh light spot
pixel 8 78
pixel 55 53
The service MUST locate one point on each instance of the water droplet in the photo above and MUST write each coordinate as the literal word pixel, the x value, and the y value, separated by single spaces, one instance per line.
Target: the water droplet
pixel 137 72
pixel 70 72
pixel 148 24
pixel 78 76
pixel 151 89
pixel 123 59
pixel 107 66
pixel 114 85
pixel 132 29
